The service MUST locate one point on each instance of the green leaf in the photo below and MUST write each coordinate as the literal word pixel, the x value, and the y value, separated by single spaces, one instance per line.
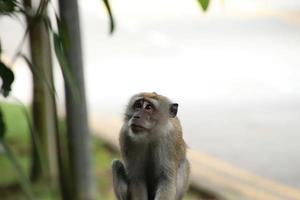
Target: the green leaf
pixel 47 22
pixel 63 35
pixel 41 8
pixel 61 45
pixel 7 79
pixel 0 48
pixel 34 135
pixel 110 15
pixel 33 68
pixel 39 74
pixel 204 4
pixel 64 64
pixel 2 125
pixel 8 7
pixel 24 182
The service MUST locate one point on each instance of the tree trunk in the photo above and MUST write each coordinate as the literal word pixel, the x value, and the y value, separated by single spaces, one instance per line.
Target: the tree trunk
pixel 44 163
pixel 77 123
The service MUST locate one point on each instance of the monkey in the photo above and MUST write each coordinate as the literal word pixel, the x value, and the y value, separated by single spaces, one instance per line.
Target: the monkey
pixel 153 151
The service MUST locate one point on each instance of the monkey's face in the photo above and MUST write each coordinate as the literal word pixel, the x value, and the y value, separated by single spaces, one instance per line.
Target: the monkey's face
pixel 145 115
pixel 142 117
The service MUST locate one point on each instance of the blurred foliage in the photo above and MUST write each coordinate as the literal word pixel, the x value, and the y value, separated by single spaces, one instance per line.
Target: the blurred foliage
pixel 2 126
pixel 8 7
pixel 7 77
pixel 60 51
pixel 110 15
pixel 204 4
pixel 11 157
pixel 39 74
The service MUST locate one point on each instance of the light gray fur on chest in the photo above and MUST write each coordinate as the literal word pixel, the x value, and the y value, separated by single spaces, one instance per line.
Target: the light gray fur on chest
pixel 153 158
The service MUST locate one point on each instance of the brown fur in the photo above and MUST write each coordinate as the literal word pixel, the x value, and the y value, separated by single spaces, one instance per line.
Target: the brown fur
pixel 156 165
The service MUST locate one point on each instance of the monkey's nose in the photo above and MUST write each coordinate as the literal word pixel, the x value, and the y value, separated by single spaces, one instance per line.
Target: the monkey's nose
pixel 136 117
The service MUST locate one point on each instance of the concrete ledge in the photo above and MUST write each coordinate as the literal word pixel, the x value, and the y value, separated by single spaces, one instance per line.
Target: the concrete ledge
pixel 211 175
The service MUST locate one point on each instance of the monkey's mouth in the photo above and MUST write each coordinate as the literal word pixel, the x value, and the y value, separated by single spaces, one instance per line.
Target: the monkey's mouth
pixel 137 128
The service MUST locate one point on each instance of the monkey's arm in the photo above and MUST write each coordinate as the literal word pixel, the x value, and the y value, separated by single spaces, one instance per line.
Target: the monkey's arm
pixel 125 189
pixel 175 171
pixel 182 179
pixel 120 180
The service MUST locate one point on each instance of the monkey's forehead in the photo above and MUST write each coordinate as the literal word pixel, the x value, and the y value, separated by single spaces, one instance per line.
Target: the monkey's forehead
pixel 153 101
pixel 151 97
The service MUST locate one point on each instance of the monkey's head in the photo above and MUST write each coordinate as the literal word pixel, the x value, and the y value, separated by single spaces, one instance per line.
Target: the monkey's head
pixel 148 112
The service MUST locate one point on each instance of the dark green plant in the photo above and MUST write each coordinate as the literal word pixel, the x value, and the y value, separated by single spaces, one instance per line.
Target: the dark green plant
pixel 24 181
pixel 7 77
pixel 204 4
pixel 8 7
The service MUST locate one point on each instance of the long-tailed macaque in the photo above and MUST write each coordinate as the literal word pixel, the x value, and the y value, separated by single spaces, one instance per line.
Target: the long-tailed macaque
pixel 153 150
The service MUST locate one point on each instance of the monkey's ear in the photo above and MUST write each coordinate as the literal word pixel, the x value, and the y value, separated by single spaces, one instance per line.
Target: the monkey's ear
pixel 173 109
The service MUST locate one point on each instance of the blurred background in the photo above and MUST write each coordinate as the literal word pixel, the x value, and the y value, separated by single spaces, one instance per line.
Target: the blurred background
pixel 234 70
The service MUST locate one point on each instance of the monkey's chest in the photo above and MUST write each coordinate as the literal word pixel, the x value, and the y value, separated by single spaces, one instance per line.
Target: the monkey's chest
pixel 152 177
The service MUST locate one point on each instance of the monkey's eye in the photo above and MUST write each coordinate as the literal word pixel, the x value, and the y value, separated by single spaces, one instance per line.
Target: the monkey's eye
pixel 137 105
pixel 148 107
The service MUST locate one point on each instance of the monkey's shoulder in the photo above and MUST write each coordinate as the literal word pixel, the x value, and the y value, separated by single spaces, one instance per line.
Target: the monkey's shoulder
pixel 176 123
pixel 180 145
